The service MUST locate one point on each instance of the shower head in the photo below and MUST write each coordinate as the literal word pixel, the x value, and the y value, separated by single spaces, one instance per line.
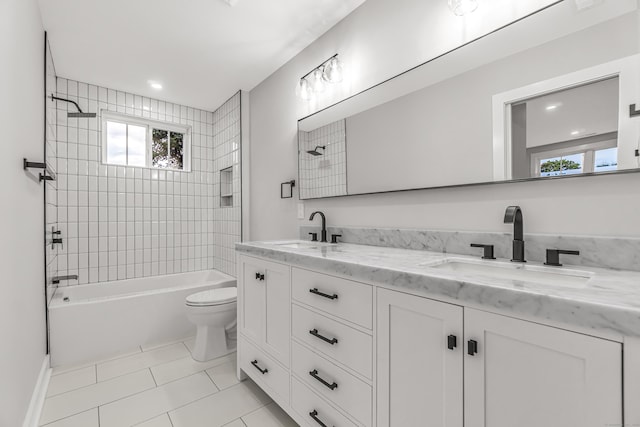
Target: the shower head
pixel 79 113
pixel 315 151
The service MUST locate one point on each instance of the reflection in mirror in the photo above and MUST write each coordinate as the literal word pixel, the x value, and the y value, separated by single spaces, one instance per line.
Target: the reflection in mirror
pixel 567 132
pixel 519 103
pixel 323 161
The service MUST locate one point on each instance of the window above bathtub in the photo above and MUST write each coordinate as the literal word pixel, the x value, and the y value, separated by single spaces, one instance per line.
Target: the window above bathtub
pixel 135 141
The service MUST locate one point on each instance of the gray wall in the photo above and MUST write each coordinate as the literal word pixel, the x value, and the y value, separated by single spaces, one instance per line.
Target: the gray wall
pixel 380 40
pixel 443 134
pixel 22 322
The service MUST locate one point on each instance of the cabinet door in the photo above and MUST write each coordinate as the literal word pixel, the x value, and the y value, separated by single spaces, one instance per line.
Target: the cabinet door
pixel 419 377
pixel 529 375
pixel 251 299
pixel 277 310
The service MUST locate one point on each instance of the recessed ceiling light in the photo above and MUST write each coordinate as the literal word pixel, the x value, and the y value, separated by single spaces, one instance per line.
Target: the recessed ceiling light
pixel 575 132
pixel 551 107
pixel 154 84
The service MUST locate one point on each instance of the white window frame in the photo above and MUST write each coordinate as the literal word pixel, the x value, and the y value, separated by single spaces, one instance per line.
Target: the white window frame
pixel 110 116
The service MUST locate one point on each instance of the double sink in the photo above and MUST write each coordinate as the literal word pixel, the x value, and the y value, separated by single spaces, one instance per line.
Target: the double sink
pixel 486 269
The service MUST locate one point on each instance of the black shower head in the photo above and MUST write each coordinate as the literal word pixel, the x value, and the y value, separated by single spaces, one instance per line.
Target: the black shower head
pixel 315 151
pixel 81 115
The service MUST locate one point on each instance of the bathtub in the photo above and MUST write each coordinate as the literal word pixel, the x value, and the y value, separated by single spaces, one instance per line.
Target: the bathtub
pixel 93 322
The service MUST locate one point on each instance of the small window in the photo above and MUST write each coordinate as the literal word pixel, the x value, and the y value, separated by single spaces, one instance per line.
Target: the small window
pixel 132 141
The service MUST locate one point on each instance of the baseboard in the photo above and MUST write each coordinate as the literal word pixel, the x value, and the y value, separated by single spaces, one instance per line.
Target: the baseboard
pixel 39 393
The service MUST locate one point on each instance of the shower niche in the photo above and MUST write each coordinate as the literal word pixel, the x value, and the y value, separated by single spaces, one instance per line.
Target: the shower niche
pixel 226 187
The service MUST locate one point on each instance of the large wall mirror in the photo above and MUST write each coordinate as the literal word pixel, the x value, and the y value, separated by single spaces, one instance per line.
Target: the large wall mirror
pixel 548 96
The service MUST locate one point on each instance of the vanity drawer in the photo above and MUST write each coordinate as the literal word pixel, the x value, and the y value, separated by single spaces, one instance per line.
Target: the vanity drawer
pixel 353 348
pixel 263 369
pixel 325 378
pixel 305 402
pixel 354 300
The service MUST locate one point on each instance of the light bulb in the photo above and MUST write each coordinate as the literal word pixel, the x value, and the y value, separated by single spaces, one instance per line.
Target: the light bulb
pixel 317 83
pixel 463 7
pixel 305 90
pixel 333 71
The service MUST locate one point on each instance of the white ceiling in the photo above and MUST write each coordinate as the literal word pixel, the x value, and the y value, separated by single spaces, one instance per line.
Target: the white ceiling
pixel 201 51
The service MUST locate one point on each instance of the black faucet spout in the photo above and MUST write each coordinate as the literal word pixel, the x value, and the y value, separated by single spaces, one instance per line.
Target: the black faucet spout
pixel 323 234
pixel 513 215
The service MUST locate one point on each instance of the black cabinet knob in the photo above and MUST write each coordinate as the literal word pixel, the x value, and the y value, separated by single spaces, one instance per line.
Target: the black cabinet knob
pixel 472 347
pixel 260 276
pixel 452 342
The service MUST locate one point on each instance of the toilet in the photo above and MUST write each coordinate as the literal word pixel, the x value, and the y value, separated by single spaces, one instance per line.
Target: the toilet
pixel 214 313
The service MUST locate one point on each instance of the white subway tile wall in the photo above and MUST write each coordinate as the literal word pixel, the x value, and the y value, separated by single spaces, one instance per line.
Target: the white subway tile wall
pixel 51 187
pixel 325 175
pixel 121 222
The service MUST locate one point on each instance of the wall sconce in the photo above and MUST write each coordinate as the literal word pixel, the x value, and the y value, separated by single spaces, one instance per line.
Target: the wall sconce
pixel 330 71
pixel 463 7
pixel 286 189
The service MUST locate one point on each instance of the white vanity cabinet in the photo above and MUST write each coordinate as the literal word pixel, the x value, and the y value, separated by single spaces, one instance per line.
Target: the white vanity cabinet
pixel 264 306
pixel 515 372
pixel 529 375
pixel 337 352
pixel 419 361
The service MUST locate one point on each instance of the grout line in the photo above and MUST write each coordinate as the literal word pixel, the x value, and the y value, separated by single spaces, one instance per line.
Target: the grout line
pixel 154 378
pixel 68 416
pixel 100 382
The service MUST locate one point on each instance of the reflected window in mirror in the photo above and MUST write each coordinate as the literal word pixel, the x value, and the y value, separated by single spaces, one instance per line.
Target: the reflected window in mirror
pixel 566 132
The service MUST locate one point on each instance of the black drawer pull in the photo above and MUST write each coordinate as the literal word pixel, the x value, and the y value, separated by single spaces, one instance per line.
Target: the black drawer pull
pixel 452 342
pixel 259 276
pixel 472 347
pixel 331 341
pixel 322 294
pixel 314 414
pixel 262 371
pixel 314 374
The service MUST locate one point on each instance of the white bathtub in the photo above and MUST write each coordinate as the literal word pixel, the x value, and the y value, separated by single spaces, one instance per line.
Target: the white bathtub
pixel 92 322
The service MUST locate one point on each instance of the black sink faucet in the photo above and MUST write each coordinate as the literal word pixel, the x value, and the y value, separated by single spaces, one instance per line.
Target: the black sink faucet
pixel 513 214
pixel 324 225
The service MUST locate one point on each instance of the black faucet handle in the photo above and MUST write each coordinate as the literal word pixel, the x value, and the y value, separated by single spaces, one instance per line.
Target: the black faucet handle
pixel 488 250
pixel 314 237
pixel 334 238
pixel 553 256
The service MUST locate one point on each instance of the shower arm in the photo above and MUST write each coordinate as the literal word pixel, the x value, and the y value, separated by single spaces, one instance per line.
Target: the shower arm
pixel 67 100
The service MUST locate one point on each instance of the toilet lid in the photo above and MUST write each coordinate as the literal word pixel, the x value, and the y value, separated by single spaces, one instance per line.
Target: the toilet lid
pixel 213 296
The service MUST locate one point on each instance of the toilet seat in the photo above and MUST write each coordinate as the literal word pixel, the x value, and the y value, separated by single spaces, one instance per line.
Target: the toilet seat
pixel 213 297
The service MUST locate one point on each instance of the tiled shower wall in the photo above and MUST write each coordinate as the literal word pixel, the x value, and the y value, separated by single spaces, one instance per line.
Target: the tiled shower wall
pixel 121 222
pixel 51 187
pixel 325 175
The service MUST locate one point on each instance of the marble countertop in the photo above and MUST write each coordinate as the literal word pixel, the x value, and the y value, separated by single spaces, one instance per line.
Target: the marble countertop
pixel 609 301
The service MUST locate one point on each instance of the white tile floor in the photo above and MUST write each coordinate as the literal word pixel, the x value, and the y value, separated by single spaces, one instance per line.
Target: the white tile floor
pixel 158 386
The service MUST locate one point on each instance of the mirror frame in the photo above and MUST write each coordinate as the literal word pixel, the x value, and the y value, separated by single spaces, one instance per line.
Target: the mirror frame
pixel 474 184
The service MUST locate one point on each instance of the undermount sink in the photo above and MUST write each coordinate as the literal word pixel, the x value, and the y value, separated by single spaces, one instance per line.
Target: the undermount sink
pixel 302 244
pixel 514 271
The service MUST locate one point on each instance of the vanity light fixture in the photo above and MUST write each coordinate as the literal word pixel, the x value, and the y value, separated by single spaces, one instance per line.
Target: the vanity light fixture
pixel 463 7
pixel 315 81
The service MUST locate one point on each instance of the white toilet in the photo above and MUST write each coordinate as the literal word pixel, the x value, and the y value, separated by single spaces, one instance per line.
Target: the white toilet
pixel 214 314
